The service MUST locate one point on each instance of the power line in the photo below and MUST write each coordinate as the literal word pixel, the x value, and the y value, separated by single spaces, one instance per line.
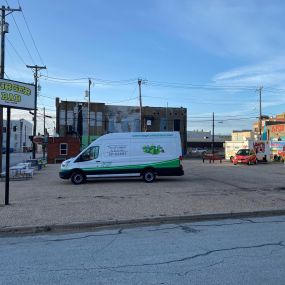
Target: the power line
pixel 222 120
pixel 125 100
pixel 22 37
pixel 95 79
pixel 22 60
pixel 198 86
pixel 32 36
pixel 7 75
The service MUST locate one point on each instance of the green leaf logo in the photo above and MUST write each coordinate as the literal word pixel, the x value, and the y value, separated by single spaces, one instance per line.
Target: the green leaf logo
pixel 152 149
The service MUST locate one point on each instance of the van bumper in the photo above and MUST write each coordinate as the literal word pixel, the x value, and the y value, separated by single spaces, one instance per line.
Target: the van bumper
pixel 65 174
pixel 175 171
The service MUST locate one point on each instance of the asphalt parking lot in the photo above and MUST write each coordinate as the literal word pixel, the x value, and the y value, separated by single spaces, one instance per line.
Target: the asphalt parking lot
pixel 204 189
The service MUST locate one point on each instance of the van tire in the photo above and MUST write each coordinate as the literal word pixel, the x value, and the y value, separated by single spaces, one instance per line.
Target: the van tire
pixel 78 177
pixel 148 176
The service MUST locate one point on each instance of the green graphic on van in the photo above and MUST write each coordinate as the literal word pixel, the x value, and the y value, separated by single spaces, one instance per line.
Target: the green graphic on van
pixel 152 149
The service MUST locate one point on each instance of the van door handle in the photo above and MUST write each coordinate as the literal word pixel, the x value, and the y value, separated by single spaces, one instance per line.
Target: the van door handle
pixel 97 160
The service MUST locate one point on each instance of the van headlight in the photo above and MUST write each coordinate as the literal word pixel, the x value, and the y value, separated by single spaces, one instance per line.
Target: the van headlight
pixel 65 163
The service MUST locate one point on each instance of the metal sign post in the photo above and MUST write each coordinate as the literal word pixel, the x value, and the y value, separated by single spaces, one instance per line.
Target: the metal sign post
pixel 7 156
pixel 17 95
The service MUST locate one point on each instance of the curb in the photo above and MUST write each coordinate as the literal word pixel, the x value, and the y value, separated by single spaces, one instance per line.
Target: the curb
pixel 100 225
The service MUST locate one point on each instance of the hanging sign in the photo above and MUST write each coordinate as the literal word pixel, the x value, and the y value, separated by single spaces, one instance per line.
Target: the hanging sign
pixel 16 94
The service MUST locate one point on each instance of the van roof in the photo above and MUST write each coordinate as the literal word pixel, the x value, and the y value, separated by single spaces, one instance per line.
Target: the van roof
pixel 137 135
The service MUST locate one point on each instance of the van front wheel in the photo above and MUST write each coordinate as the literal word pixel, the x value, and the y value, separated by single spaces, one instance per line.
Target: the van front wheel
pixel 149 176
pixel 78 178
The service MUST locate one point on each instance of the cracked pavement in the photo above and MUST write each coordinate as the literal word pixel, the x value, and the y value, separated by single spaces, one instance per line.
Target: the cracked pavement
pixel 242 251
pixel 204 189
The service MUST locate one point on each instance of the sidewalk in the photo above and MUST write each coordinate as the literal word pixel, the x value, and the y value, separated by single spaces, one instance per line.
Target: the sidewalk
pixel 48 202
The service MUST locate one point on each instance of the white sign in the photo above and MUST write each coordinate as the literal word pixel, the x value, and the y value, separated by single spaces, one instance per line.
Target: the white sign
pixel 16 94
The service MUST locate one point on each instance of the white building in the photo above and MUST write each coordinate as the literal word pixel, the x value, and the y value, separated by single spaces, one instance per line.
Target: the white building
pixel 20 130
pixel 205 136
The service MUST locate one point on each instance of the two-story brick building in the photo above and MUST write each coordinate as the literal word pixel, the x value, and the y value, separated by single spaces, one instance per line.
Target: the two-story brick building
pixel 72 120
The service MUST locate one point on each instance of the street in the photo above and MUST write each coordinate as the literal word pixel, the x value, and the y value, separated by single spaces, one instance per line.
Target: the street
pixel 244 251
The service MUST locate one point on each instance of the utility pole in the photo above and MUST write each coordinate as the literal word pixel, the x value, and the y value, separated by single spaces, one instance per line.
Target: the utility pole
pixel 213 136
pixel 44 147
pixel 44 121
pixel 140 98
pixel 4 30
pixel 260 112
pixel 88 116
pixel 35 68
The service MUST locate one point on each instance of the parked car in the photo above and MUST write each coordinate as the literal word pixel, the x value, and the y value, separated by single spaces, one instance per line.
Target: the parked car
pixel 247 156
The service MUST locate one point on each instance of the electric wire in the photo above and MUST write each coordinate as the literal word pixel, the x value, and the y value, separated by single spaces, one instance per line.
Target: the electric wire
pixel 21 36
pixel 7 75
pixel 16 52
pixel 25 20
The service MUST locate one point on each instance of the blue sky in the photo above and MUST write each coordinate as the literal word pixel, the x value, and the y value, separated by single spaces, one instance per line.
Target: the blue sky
pixel 216 52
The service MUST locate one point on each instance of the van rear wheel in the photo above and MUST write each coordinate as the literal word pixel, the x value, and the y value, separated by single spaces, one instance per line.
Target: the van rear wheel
pixel 78 178
pixel 149 176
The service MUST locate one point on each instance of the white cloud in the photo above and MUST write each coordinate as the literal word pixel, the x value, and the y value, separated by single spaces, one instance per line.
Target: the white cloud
pixel 234 28
pixel 266 73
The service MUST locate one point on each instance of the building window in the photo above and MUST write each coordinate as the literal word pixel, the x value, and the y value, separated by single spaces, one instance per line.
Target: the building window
pixel 176 125
pixel 63 149
pixel 4 129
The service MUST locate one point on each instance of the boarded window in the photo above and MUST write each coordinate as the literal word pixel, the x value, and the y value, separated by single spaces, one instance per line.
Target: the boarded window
pixel 70 118
pixel 99 119
pixel 176 125
pixel 92 119
pixel 163 124
pixel 62 117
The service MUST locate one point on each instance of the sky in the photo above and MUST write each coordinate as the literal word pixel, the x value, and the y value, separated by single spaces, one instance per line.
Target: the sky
pixel 207 56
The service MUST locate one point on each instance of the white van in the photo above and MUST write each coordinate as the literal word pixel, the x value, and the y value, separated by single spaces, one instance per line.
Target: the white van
pixel 125 155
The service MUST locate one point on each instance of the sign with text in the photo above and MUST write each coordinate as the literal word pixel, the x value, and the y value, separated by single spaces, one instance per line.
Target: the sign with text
pixel 278 128
pixel 16 94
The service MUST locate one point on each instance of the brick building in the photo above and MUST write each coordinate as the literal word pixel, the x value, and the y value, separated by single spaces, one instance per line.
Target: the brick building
pixel 72 120
pixel 62 148
pixel 271 127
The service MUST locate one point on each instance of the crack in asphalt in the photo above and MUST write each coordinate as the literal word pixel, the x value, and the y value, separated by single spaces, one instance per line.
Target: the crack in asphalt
pixel 280 244
pixel 261 222
pixel 67 239
pixel 115 268
pixel 244 222
pixel 86 236
pixel 163 272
